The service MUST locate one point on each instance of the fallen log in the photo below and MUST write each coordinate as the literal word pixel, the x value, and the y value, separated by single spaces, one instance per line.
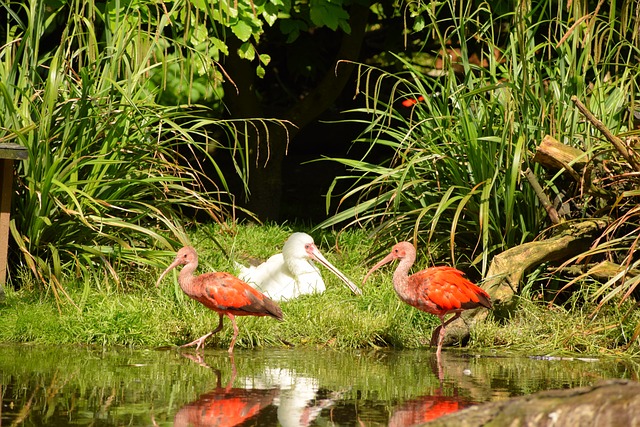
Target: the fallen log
pixel 602 271
pixel 508 268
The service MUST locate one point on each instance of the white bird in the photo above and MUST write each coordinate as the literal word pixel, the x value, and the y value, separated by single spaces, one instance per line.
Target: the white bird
pixel 292 273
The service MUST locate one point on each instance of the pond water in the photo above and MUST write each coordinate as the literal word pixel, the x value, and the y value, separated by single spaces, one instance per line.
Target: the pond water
pixel 63 385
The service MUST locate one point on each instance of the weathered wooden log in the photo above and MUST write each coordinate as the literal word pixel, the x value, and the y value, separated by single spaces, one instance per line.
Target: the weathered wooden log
pixel 602 271
pixel 609 403
pixel 508 268
pixel 555 156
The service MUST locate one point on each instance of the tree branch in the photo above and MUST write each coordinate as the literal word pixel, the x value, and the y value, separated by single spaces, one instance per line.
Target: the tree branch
pixel 625 151
pixel 546 203
pixel 336 77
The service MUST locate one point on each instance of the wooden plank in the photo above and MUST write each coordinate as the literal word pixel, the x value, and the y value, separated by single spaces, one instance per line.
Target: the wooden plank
pixel 9 150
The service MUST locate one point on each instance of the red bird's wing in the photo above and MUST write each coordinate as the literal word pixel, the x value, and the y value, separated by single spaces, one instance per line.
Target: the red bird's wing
pixel 447 289
pixel 225 293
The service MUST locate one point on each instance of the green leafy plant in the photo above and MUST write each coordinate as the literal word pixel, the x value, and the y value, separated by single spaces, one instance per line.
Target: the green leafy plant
pixel 447 170
pixel 111 174
pixel 453 178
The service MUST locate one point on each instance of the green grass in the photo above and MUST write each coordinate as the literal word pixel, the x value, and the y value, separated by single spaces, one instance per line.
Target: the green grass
pixel 536 328
pixel 138 314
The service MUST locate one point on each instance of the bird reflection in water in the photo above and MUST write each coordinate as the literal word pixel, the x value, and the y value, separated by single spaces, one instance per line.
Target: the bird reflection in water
pixel 223 406
pixel 298 403
pixel 425 408
pixel 295 396
pixel 301 402
pixel 422 409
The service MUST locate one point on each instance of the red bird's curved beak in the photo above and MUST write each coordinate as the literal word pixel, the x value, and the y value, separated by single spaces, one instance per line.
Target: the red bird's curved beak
pixel 382 262
pixel 173 265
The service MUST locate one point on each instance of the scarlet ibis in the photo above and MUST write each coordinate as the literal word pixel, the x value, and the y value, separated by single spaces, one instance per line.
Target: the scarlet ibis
pixel 221 292
pixel 292 273
pixel 435 290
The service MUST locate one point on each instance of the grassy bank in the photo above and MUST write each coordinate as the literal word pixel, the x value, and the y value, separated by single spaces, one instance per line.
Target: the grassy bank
pixel 136 313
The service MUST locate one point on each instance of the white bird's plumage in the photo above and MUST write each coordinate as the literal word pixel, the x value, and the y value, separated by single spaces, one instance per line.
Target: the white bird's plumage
pixel 292 273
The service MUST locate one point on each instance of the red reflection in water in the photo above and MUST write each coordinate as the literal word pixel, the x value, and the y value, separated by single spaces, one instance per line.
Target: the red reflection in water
pixel 298 402
pixel 425 408
pixel 224 407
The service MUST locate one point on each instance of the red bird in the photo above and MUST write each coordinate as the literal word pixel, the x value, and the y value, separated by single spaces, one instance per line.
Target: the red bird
pixel 426 408
pixel 221 292
pixel 436 290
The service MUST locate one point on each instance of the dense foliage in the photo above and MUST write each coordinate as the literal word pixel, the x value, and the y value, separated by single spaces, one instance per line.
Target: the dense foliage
pixel 108 99
pixel 119 105
pixel 453 132
pixel 111 174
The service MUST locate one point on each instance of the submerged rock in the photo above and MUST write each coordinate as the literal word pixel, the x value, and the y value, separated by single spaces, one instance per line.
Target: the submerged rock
pixel 608 403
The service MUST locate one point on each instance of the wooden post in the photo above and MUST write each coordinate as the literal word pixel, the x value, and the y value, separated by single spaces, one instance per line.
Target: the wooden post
pixel 6 188
pixel 8 153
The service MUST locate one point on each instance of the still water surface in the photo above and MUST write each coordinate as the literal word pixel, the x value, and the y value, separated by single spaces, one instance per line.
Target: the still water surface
pixel 63 385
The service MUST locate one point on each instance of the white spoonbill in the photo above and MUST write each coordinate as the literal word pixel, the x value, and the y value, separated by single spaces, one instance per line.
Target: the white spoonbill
pixel 292 273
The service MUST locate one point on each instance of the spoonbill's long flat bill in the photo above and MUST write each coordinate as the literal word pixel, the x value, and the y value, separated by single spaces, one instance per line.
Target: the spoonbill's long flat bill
pixel 292 273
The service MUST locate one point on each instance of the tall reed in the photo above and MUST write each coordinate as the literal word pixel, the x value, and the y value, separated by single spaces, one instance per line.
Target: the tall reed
pixel 111 173
pixel 447 171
